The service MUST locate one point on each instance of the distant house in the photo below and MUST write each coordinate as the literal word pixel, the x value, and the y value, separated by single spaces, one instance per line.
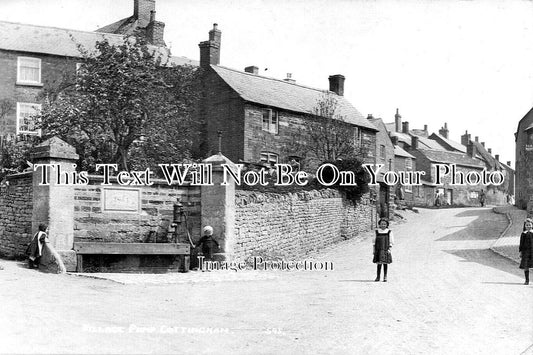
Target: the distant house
pixel 34 59
pixel 403 161
pixel 524 162
pixel 468 156
pixel 264 119
pixel 388 196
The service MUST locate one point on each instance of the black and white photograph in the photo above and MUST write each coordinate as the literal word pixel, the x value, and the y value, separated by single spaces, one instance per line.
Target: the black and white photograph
pixel 266 177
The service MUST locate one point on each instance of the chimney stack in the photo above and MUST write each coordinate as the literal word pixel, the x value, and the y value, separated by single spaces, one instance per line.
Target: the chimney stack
pixel 405 127
pixel 497 156
pixel 444 131
pixel 477 139
pixel 426 129
pixel 210 50
pixel 483 144
pixel 471 150
pixel 370 116
pixel 142 11
pixel 336 84
pixel 414 142
pixel 155 31
pixel 252 70
pixel 489 150
pixel 289 78
pixel 509 163
pixel 398 121
pixel 465 139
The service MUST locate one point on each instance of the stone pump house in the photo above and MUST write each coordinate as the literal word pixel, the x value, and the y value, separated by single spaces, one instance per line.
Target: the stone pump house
pixel 263 119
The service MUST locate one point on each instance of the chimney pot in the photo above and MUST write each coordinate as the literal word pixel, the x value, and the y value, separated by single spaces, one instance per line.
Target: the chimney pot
pixel 414 142
pixel 252 69
pixel 405 127
pixel 398 121
pixel 471 150
pixel 142 11
pixel 489 150
pixel 155 31
pixel 425 128
pixel 289 78
pixel 210 49
pixel 336 84
pixel 477 139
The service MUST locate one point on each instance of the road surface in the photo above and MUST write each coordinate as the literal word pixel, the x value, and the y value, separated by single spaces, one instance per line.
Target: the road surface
pixel 447 293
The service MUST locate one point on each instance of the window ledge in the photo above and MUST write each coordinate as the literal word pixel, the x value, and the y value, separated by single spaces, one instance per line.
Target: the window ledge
pixel 21 83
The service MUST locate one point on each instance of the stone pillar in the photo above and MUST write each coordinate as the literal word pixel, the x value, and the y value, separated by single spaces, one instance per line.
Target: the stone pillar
pixel 218 204
pixel 53 203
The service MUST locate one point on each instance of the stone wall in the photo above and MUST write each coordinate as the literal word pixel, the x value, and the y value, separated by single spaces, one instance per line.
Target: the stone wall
pixel 128 214
pixel 15 215
pixel 294 224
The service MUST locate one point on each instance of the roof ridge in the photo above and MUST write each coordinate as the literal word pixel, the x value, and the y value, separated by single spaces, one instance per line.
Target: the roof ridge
pixel 274 79
pixel 64 29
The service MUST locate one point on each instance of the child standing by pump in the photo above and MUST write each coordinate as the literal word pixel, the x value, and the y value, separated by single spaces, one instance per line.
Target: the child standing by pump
pixel 208 243
pixel 526 249
pixel 383 242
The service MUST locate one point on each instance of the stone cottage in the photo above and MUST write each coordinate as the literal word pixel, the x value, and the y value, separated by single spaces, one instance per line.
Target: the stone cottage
pixel 264 119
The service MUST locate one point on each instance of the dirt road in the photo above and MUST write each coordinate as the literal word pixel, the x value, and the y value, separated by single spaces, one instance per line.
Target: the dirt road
pixel 447 293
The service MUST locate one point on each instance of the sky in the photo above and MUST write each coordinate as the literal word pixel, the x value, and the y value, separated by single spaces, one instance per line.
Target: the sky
pixel 466 63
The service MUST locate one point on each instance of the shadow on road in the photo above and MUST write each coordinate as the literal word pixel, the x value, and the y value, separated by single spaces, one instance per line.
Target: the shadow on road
pixel 486 228
pixel 489 258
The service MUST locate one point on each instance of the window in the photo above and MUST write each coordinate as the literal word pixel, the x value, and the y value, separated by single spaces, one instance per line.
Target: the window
pixel 357 137
pixel 295 162
pixel 408 164
pixel 26 113
pixel 270 121
pixel 28 70
pixel 366 142
pixel 269 158
pixel 382 151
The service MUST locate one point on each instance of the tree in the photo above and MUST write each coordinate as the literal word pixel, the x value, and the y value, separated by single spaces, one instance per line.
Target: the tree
pixel 330 136
pixel 127 107
pixel 14 153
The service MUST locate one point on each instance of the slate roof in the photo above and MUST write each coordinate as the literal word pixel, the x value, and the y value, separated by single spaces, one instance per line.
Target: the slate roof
pixel 126 26
pixel 382 135
pixel 423 142
pixel 63 42
pixel 285 95
pixel 447 157
pixel 455 145
pixel 485 155
pixel 399 151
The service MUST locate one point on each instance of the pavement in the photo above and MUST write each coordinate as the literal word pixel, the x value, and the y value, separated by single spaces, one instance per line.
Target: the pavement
pixel 507 244
pixel 447 293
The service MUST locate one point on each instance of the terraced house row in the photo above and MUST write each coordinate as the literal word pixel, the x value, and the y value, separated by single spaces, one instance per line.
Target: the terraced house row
pixel 262 119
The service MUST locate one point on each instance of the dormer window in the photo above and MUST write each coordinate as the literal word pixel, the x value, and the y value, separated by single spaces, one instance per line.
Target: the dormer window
pixel 28 70
pixel 270 121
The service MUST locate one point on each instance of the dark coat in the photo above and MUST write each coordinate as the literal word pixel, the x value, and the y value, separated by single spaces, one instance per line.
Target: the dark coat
pixel 526 249
pixel 208 244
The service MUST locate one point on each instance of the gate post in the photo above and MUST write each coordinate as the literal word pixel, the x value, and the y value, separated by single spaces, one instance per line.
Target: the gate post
pixel 53 203
pixel 218 203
